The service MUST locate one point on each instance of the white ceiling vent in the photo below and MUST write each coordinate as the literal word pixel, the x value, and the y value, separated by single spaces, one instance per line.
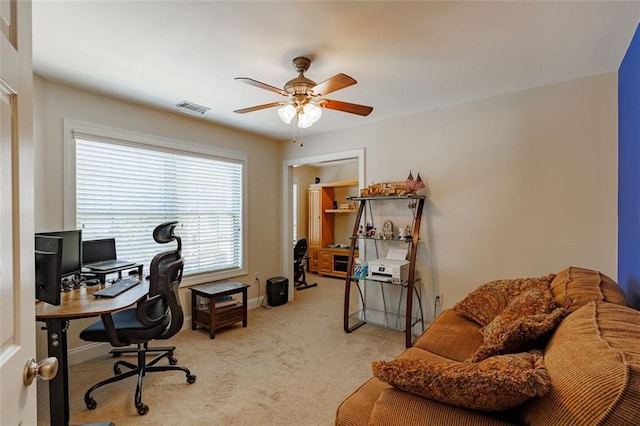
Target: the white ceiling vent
pixel 191 108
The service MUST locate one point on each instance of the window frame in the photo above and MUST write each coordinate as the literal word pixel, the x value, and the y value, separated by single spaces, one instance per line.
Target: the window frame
pixel 75 128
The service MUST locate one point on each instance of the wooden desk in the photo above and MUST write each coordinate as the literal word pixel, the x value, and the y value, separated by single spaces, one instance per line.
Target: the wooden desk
pixel 77 303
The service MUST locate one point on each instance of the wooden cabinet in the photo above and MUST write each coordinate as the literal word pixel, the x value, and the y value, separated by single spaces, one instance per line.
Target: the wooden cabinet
pixel 321 224
pixel 334 262
pixel 314 259
pixel 326 262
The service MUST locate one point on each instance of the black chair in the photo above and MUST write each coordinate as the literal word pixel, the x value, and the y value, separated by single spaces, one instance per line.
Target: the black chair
pixel 299 265
pixel 158 316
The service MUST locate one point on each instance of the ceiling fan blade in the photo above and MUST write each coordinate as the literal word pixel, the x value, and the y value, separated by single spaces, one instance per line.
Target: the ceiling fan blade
pixel 262 85
pixel 337 82
pixel 259 107
pixel 346 107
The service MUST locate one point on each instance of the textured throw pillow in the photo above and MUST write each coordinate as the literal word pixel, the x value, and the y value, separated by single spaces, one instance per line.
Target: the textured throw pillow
pixel 495 384
pixel 523 324
pixel 490 299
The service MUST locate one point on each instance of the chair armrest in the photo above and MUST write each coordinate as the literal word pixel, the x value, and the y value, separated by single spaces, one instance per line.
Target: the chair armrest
pixel 110 329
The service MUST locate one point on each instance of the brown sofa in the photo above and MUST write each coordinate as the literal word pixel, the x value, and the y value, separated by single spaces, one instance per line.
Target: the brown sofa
pixel 592 359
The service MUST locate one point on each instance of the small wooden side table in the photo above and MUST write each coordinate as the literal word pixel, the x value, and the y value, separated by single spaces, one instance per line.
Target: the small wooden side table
pixel 204 311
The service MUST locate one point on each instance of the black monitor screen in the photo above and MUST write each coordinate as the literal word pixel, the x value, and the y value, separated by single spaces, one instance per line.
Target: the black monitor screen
pixel 48 268
pixel 98 250
pixel 71 250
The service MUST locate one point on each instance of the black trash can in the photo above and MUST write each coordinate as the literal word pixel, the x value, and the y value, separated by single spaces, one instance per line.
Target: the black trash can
pixel 277 291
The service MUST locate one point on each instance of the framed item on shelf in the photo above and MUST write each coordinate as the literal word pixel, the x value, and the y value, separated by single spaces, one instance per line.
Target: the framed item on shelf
pixel 387 229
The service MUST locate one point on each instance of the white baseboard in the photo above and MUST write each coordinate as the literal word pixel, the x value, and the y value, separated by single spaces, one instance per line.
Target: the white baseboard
pixel 87 352
pixel 95 350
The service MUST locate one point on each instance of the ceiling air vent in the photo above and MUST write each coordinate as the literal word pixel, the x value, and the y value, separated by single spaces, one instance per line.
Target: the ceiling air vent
pixel 191 108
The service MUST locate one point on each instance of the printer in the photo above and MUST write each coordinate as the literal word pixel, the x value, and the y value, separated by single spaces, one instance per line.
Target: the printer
pixel 394 268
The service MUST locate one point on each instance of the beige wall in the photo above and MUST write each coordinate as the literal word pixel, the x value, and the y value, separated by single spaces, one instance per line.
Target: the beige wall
pixel 53 102
pixel 519 185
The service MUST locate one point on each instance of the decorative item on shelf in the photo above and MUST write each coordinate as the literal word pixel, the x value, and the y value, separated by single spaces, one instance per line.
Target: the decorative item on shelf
pixel 345 207
pixel 408 186
pixel 414 185
pixel 369 228
pixel 402 233
pixel 335 205
pixel 384 189
pixel 360 270
pixel 387 229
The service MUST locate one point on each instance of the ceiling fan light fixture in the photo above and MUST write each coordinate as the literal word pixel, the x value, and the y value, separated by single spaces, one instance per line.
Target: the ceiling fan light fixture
pixel 303 121
pixel 313 111
pixel 287 113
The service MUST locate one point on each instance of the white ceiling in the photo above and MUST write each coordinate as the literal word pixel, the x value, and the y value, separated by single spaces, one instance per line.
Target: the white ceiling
pixel 406 56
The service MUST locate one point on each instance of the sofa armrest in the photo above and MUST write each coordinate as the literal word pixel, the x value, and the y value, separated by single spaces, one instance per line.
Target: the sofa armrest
pixel 396 407
pixel 451 336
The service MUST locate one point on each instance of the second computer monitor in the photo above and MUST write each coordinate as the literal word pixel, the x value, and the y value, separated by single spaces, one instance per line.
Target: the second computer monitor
pixel 98 250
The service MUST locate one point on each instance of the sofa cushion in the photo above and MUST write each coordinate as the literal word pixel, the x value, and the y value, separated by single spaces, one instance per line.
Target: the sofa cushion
pixel 395 407
pixel 494 384
pixel 524 323
pixel 451 336
pixel 356 409
pixel 487 301
pixel 593 359
pixel 574 287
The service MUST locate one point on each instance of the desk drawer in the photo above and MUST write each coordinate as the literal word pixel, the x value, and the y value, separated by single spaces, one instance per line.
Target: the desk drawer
pixel 229 315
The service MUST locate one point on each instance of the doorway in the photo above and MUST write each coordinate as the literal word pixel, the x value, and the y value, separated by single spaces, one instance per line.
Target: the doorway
pixel 354 158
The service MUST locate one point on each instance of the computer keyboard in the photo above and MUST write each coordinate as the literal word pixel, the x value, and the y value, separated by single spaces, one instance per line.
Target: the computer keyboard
pixel 118 287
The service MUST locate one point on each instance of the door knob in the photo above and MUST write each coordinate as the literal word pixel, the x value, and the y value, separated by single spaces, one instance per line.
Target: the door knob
pixel 45 369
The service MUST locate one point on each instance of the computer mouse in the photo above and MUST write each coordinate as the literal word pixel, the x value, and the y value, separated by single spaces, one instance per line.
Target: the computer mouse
pixel 91 282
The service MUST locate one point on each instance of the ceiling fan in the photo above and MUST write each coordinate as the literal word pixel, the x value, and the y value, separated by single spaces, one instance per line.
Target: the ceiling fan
pixel 306 100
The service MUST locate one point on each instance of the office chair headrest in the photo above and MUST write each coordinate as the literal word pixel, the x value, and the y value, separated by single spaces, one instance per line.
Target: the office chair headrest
pixel 164 233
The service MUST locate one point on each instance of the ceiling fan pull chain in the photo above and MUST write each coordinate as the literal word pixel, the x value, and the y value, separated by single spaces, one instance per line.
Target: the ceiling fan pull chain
pixel 295 127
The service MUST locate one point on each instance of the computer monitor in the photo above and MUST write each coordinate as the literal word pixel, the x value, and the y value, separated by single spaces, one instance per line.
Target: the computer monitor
pixel 71 250
pixel 48 257
pixel 98 250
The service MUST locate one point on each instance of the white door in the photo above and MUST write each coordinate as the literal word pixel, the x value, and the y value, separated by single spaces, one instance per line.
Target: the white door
pixel 17 293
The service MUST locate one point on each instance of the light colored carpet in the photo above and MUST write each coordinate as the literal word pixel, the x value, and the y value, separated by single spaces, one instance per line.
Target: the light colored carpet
pixel 292 365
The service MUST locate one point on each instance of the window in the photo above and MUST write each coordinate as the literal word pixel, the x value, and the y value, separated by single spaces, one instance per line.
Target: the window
pixel 138 186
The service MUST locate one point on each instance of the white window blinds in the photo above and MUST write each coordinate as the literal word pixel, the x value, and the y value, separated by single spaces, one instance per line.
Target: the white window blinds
pixel 124 191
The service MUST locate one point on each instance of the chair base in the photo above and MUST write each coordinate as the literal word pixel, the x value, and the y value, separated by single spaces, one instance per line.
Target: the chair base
pixel 304 285
pixel 300 280
pixel 140 369
pixel 118 352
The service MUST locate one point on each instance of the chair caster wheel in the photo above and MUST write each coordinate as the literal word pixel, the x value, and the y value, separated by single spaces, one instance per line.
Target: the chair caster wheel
pixel 116 371
pixel 191 379
pixel 91 403
pixel 173 361
pixel 142 409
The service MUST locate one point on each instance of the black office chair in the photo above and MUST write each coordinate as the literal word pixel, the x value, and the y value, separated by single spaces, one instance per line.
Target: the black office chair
pixel 299 265
pixel 158 316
